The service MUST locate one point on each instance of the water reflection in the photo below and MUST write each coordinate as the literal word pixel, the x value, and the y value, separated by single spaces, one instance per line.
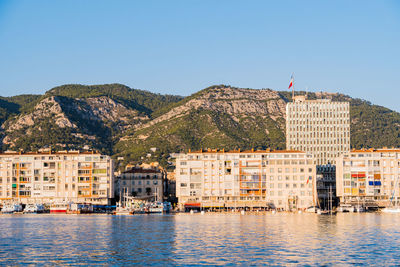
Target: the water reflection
pixel 211 239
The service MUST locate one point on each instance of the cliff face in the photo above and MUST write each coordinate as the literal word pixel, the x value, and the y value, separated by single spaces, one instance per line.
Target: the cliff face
pixel 127 122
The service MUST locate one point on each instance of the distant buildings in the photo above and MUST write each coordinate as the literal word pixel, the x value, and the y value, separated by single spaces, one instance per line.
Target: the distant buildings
pixel 46 177
pixel 143 182
pixel 369 177
pixel 320 127
pixel 238 179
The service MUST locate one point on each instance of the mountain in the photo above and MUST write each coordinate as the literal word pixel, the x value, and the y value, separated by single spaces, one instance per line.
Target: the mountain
pixel 121 121
pixel 73 116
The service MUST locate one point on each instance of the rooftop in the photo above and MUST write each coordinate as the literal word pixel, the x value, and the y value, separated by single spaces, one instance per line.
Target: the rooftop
pixel 64 152
pixel 375 150
pixel 204 151
pixel 141 170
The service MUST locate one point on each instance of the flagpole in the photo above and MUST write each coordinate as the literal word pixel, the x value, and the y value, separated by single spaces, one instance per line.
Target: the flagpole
pixel 293 88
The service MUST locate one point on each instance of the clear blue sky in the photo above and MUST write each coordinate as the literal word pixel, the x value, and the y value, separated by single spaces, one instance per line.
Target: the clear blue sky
pixel 180 47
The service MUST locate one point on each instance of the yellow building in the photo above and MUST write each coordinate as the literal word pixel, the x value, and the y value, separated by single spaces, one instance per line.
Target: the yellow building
pixel 229 179
pixel 49 177
pixel 368 177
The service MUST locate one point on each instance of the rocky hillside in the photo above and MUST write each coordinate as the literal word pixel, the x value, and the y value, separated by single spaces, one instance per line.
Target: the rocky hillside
pixel 127 122
pixel 76 116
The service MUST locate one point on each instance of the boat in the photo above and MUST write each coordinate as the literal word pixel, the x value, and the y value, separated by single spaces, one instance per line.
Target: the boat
pixel 167 207
pixel 59 208
pixel 359 208
pixel 312 209
pixel 393 208
pixel 76 208
pixel 330 210
pixel 11 208
pixel 346 208
pixel 155 207
pixel 139 206
pixel 123 211
pixel 125 205
pixel 159 207
pixel 34 208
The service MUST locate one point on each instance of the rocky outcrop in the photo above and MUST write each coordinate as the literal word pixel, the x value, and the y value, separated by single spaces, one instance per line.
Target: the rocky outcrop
pixel 48 107
pixel 231 101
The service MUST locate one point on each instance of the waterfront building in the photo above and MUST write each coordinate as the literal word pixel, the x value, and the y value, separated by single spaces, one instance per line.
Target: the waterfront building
pixel 320 127
pixel 281 179
pixel 171 187
pixel 54 177
pixel 144 182
pixel 326 185
pixel 368 177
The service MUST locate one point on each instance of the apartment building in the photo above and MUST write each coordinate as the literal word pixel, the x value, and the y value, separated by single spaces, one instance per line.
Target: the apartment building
pixel 140 182
pixel 237 179
pixel 369 177
pixel 48 177
pixel 320 127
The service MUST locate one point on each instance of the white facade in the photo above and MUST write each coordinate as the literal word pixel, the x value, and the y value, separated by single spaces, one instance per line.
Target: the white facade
pixel 215 178
pixel 320 127
pixel 80 177
pixel 369 177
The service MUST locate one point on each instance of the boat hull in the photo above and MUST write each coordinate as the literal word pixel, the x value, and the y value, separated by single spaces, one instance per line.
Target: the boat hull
pixel 58 210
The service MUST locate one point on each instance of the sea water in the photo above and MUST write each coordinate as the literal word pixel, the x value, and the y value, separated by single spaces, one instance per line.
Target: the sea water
pixel 209 239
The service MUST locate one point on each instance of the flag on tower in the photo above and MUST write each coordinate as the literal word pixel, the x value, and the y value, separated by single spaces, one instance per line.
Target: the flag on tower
pixel 291 81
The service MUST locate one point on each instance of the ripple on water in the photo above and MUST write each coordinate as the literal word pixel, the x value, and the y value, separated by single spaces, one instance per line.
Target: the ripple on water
pixel 212 239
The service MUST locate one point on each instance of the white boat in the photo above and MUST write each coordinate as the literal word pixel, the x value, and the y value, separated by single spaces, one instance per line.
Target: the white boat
pixel 34 208
pixel 11 208
pixel 346 208
pixel 159 207
pixel 155 207
pixel 359 208
pixel 391 210
pixel 124 206
pixel 312 209
pixel 123 211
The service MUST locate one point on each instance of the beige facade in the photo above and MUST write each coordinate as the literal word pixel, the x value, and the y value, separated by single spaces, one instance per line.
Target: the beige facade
pixel 144 183
pixel 368 177
pixel 320 127
pixel 80 177
pixel 215 178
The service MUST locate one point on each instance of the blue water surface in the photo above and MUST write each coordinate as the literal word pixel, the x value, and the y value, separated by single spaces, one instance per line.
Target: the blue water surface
pixel 210 239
